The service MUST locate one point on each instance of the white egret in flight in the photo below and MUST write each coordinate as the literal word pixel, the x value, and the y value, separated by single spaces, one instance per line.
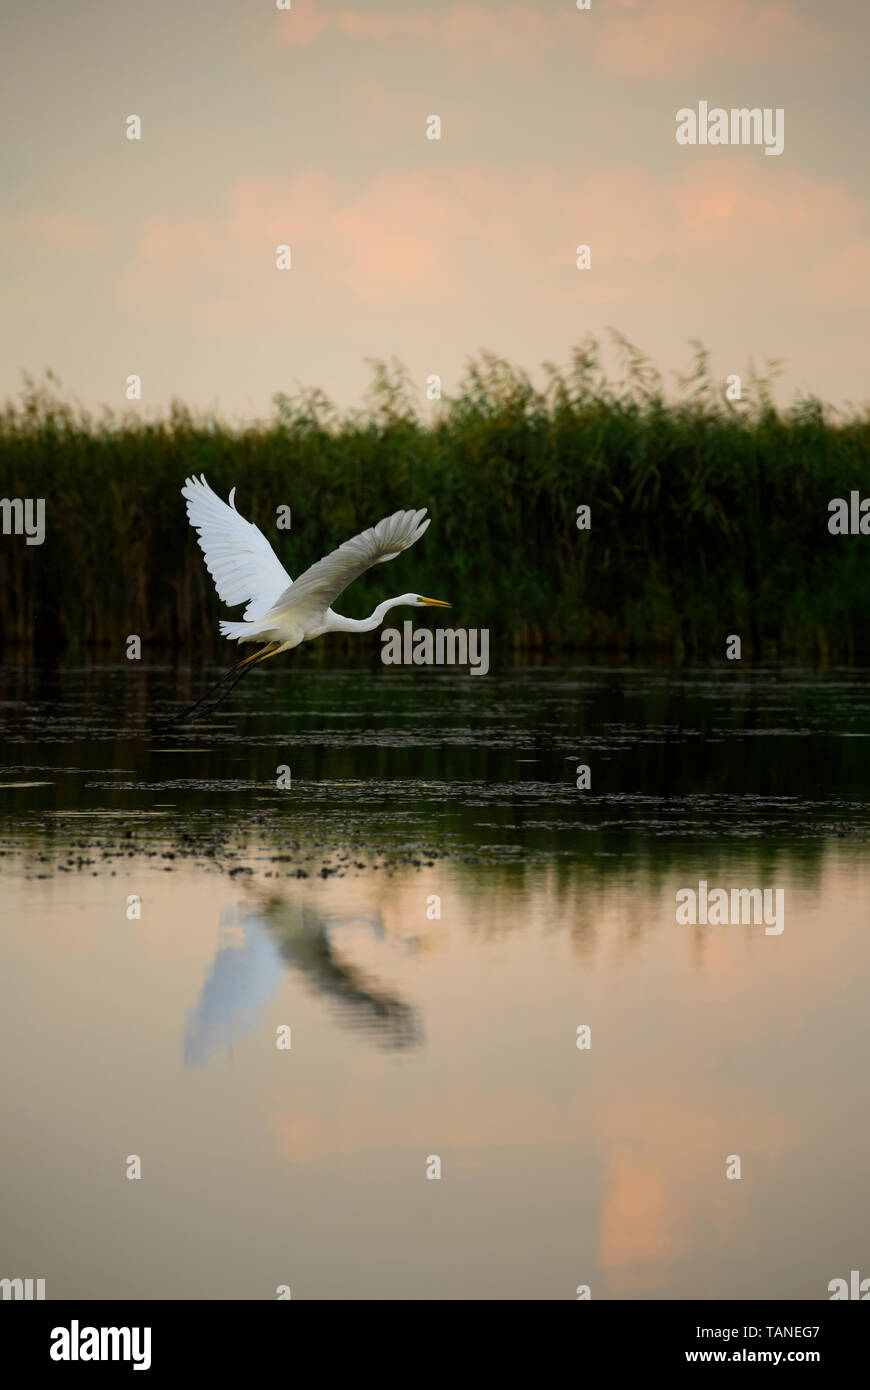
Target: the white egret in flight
pixel 281 613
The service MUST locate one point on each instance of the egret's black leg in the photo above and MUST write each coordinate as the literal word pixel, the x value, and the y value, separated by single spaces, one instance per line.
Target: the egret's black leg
pixel 240 666
pixel 246 666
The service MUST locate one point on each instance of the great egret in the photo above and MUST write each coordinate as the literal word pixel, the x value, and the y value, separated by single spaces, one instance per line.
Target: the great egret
pixel 282 613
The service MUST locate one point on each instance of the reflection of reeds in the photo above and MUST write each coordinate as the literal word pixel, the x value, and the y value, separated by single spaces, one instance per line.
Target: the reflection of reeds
pixel 707 518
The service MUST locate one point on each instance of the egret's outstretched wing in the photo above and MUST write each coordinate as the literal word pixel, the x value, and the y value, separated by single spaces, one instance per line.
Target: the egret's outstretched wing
pixel 318 588
pixel 238 557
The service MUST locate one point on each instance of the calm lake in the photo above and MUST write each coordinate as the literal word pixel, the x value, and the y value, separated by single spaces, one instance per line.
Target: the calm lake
pixel 427 909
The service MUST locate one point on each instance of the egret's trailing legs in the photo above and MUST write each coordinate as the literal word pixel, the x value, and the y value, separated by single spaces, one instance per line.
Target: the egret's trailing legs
pixel 241 666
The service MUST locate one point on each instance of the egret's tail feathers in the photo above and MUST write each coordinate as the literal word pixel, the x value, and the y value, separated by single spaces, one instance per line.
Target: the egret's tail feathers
pixel 239 630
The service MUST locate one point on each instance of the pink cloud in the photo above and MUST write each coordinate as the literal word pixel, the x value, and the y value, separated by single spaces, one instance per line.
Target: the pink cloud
pixel 506 29
pixel 306 23
pixel 652 38
pixel 739 209
pixel 433 236
pixel 661 37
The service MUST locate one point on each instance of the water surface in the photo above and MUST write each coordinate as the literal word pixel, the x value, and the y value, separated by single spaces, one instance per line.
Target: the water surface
pixel 432 908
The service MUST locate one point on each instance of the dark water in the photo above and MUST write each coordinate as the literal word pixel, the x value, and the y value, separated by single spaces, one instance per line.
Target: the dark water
pixel 433 908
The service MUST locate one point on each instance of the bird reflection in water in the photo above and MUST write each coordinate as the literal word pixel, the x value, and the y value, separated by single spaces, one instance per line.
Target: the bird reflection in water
pixel 257 942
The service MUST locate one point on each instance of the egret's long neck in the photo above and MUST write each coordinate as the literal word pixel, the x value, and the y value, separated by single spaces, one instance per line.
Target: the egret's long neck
pixel 340 624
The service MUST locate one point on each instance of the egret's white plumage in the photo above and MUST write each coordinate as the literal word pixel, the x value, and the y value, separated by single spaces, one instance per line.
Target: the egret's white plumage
pixel 238 557
pixel 245 569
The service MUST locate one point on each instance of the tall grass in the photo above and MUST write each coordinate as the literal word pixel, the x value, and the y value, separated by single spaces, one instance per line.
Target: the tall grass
pixel 708 518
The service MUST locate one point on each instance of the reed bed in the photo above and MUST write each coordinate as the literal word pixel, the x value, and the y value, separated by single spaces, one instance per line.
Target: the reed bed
pixel 708 517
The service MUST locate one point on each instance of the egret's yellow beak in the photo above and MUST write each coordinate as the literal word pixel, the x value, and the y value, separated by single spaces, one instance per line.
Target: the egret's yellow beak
pixel 432 602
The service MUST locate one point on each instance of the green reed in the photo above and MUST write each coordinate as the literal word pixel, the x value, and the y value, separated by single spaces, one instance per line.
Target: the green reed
pixel 708 518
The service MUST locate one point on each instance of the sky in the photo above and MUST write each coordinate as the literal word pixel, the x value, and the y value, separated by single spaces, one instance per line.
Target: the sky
pixel 307 127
